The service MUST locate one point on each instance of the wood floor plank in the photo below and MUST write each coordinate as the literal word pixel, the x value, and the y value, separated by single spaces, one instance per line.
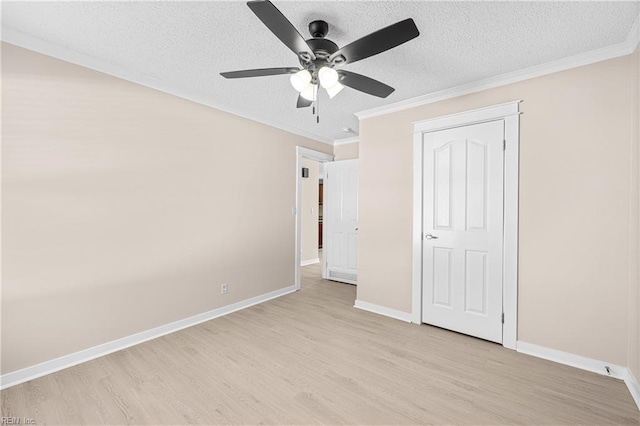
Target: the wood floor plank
pixel 311 358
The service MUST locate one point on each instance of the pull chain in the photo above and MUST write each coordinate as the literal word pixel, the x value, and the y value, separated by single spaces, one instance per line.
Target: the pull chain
pixel 315 109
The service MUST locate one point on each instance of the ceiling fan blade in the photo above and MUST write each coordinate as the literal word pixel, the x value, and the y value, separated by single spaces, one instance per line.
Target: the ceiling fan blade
pixel 260 72
pixel 281 27
pixel 365 84
pixel 302 102
pixel 378 42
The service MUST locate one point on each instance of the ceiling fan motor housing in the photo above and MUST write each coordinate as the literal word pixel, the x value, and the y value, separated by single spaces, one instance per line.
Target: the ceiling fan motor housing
pixel 322 47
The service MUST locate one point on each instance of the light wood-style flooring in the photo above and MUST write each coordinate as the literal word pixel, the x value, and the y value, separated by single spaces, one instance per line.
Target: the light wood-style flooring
pixel 310 358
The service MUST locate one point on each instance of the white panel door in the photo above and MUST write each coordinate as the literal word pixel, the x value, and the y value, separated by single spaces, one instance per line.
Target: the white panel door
pixel 463 228
pixel 340 218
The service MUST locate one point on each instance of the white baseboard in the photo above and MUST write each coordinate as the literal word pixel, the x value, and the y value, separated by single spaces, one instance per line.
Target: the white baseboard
pixel 66 361
pixel 309 262
pixel 584 363
pixel 381 310
pixel 633 386
pixel 572 360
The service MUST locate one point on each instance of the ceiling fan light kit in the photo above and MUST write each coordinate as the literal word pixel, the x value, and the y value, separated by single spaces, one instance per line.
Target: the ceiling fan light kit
pixel 320 56
pixel 310 92
pixel 334 90
pixel 300 80
pixel 328 77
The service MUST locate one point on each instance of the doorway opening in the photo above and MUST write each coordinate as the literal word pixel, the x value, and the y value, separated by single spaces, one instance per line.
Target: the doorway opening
pixel 309 247
pixel 311 214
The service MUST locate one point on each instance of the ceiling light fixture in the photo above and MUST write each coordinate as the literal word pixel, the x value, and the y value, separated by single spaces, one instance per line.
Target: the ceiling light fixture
pixel 318 56
pixel 300 80
pixel 334 90
pixel 328 77
pixel 310 92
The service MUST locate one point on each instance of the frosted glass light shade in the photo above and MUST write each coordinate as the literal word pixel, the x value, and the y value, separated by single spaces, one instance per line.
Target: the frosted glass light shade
pixel 309 92
pixel 300 80
pixel 334 90
pixel 328 77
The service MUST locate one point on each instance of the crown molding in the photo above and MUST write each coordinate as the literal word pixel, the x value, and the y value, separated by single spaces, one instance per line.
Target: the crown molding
pixel 345 141
pixel 41 46
pixel 634 35
pixel 610 52
pixel 26 41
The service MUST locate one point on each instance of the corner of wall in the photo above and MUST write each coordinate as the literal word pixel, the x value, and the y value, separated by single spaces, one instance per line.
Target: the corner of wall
pixel 633 340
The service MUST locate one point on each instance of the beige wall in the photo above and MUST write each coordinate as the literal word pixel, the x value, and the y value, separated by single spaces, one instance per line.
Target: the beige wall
pixel 347 151
pixel 634 247
pixel 309 214
pixel 125 208
pixel 574 206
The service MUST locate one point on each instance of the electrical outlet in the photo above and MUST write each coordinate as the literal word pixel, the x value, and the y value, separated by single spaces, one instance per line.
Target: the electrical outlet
pixel 224 288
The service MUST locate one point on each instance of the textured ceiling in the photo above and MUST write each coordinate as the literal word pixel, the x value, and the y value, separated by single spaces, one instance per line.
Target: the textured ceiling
pixel 187 45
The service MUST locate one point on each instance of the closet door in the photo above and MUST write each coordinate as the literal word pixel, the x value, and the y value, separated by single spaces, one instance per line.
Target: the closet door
pixel 463 229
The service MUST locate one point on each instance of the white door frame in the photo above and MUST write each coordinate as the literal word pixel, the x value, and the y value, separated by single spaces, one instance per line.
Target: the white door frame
pixel 508 112
pixel 321 157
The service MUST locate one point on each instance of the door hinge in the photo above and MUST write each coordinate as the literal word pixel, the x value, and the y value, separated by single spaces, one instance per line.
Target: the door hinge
pixel 504 144
pixel 503 317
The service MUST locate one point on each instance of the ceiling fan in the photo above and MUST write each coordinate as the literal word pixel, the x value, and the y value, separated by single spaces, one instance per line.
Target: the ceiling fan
pixel 319 56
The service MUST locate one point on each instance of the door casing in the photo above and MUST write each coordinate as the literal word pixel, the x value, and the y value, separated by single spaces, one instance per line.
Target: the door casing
pixel 510 113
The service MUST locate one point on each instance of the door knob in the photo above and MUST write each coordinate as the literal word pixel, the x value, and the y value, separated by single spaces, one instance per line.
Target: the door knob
pixel 431 237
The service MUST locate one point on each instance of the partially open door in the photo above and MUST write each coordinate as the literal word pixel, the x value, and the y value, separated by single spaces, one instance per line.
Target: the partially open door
pixel 341 221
